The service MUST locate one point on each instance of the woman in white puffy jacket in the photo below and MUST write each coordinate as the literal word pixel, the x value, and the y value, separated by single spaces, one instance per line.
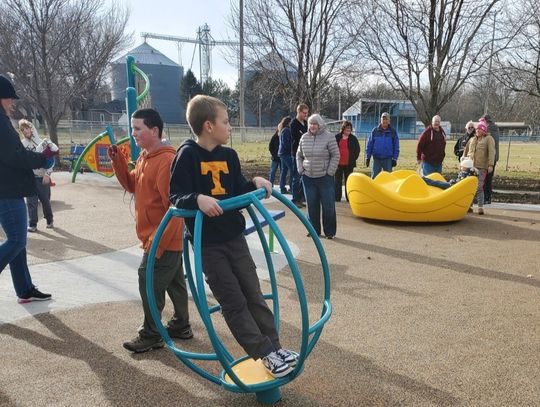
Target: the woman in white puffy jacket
pixel 317 159
pixel 32 142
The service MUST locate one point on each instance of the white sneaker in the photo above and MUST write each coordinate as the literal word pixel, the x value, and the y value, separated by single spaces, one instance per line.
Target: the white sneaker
pixel 32 229
pixel 275 365
pixel 287 356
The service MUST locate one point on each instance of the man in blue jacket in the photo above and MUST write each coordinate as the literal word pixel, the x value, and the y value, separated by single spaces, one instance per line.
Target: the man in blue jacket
pixel 383 146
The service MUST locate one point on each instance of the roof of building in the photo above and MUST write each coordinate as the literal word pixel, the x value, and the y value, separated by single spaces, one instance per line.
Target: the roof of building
pixel 145 54
pixel 356 108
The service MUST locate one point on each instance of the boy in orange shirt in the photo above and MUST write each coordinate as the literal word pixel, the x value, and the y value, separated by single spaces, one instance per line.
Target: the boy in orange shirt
pixel 149 182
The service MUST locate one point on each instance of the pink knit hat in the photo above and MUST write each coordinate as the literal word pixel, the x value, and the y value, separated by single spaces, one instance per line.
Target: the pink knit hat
pixel 481 125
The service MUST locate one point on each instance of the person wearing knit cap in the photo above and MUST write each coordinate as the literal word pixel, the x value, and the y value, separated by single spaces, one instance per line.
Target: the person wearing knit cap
pixel 481 149
pixel 16 183
pixel 317 159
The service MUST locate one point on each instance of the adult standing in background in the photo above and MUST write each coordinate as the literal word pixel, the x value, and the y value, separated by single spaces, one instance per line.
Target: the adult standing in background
pixel 493 131
pixel 461 142
pixel 273 147
pixel 298 129
pixel 285 153
pixel 16 183
pixel 32 142
pixel 430 150
pixel 349 150
pixel 317 160
pixel 383 146
pixel 481 149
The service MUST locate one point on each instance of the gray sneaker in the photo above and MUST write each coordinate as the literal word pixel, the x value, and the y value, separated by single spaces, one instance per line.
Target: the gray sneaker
pixel 140 345
pixel 50 225
pixel 32 229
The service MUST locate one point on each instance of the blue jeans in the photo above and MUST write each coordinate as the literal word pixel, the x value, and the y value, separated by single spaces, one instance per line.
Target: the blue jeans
pixel 276 164
pixel 13 218
pixel 286 166
pixel 321 192
pixel 428 168
pixel 380 164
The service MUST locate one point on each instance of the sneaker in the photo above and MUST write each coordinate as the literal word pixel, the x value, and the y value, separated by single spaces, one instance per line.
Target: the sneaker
pixel 330 237
pixel 275 365
pixel 480 211
pixel 50 225
pixel 287 356
pixel 32 229
pixel 140 345
pixel 184 333
pixel 34 295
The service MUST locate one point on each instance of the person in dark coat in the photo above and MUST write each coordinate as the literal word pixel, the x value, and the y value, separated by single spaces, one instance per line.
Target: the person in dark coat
pixel 349 150
pixel 493 131
pixel 461 142
pixel 273 147
pixel 17 182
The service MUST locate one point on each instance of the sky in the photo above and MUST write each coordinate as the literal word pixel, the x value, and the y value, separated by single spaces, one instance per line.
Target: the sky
pixel 182 18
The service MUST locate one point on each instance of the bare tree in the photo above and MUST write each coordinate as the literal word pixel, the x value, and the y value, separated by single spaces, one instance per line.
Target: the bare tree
pixel 428 49
pixel 58 50
pixel 519 68
pixel 300 45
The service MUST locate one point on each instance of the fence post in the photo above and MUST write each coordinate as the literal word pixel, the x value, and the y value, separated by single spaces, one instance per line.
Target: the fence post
pixel 508 152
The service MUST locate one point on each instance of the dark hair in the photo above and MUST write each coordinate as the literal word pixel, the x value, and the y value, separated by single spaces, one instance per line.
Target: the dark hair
pixel 346 124
pixel 151 119
pixel 285 122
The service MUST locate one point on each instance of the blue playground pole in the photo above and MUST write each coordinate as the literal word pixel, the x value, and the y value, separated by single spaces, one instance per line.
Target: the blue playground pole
pixel 131 104
pixel 267 391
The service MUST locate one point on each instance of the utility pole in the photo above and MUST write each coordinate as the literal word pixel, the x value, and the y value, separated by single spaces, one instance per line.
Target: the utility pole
pixel 490 62
pixel 241 74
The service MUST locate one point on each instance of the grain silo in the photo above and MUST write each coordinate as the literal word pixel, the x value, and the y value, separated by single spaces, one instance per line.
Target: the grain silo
pixel 164 75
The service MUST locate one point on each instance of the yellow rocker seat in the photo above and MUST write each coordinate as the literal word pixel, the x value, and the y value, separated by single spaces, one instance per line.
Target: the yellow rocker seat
pixel 403 196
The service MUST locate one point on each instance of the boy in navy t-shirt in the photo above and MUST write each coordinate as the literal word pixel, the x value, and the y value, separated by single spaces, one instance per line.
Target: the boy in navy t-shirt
pixel 204 172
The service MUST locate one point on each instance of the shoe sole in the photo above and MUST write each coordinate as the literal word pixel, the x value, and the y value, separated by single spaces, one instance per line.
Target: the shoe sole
pixel 143 350
pixel 32 299
pixel 281 374
pixel 183 337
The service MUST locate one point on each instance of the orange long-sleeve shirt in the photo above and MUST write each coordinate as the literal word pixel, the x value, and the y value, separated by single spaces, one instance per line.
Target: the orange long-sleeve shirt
pixel 149 182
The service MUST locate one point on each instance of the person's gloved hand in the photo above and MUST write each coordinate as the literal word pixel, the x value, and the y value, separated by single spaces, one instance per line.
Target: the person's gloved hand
pixel 367 162
pixel 48 152
pixel 394 163
pixel 112 151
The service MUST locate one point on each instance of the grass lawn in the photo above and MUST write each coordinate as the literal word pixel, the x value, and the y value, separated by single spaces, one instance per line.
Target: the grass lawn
pixel 523 161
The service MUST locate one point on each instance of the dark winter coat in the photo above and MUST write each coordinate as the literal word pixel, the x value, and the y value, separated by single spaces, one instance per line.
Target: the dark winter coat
pixel 354 148
pixel 273 146
pixel 16 163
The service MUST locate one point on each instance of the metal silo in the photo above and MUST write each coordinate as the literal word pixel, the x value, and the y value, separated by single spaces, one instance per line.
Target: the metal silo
pixel 165 76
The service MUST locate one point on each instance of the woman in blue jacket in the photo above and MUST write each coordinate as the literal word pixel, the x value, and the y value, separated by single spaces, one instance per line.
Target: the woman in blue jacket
pixel 285 153
pixel 16 182
pixel 383 146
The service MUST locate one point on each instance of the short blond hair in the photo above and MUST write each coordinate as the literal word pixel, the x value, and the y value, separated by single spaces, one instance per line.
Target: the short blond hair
pixel 25 124
pixel 200 109
pixel 302 106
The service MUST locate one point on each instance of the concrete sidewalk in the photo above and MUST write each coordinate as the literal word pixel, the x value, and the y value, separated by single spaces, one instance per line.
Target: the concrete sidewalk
pixel 423 314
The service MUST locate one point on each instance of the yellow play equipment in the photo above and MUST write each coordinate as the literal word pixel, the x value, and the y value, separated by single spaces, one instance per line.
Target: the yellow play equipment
pixel 403 196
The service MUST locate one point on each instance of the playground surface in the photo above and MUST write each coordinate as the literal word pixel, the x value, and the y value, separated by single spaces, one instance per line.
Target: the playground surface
pixel 423 314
